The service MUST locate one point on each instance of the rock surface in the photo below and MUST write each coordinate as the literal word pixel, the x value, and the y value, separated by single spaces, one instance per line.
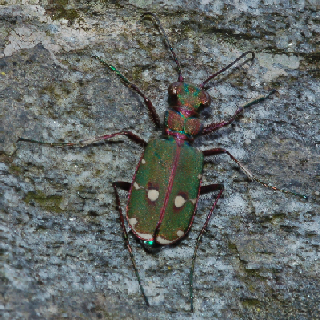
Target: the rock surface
pixel 63 252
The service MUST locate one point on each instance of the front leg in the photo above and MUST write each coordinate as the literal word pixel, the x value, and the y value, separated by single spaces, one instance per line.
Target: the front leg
pixel 152 111
pixel 216 126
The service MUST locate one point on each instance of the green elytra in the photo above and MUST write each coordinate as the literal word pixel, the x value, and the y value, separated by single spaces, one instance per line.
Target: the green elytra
pixel 151 187
pixel 167 183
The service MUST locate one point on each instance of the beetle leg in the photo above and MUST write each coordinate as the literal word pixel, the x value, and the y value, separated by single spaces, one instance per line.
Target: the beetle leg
pixel 126 186
pixel 152 111
pixel 83 143
pixel 203 190
pixel 217 151
pixel 215 126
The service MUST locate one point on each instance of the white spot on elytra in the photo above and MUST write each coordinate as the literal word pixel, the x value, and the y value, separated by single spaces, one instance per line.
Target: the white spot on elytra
pixel 180 233
pixel 199 176
pixel 144 236
pixel 136 186
pixel 163 240
pixel 143 161
pixel 153 195
pixel 132 222
pixel 194 201
pixel 179 201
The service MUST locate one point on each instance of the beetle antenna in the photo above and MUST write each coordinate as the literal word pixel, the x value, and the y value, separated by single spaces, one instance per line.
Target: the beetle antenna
pixel 180 78
pixel 228 66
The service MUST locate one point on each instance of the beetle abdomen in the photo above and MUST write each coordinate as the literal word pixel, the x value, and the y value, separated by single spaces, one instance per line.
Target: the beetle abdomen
pixel 164 191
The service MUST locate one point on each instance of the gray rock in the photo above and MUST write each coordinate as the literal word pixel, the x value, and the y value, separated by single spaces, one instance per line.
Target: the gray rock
pixel 63 252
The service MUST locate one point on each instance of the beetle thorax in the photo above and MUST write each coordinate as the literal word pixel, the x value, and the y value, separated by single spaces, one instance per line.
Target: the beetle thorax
pixel 181 126
pixel 182 122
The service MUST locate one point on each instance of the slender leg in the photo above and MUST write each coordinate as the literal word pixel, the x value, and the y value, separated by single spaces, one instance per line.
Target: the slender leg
pixel 126 186
pixel 215 126
pixel 152 111
pixel 83 143
pixel 217 151
pixel 203 190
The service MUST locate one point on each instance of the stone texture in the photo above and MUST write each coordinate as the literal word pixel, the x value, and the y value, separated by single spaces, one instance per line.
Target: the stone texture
pixel 62 249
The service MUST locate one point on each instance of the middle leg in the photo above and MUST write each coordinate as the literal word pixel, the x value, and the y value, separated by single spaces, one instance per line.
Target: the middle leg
pixel 217 151
pixel 83 143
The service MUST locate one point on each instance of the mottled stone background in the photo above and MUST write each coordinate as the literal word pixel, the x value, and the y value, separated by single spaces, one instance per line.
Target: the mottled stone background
pixel 63 252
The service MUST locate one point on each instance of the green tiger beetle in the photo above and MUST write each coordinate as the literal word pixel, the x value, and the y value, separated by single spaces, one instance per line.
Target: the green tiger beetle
pixel 166 186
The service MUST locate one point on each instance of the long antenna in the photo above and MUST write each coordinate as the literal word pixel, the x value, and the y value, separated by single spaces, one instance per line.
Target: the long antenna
pixel 227 67
pixel 180 78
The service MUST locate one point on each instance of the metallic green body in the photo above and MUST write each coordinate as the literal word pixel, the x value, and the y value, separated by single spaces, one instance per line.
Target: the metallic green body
pixel 165 190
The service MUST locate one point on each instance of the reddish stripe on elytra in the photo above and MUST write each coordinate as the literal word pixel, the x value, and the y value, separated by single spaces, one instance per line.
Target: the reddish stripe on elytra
pixel 169 189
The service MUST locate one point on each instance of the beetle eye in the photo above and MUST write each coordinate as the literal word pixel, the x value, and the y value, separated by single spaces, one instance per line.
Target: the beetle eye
pixel 172 90
pixel 206 101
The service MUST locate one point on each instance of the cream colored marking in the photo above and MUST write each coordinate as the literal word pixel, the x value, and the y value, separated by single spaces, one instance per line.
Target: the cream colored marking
pixel 153 195
pixel 143 161
pixel 199 176
pixel 137 187
pixel 179 201
pixel 163 240
pixel 194 201
pixel 132 222
pixel 180 233
pixel 144 236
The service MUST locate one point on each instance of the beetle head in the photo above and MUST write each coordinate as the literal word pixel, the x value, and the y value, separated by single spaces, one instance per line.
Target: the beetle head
pixel 184 96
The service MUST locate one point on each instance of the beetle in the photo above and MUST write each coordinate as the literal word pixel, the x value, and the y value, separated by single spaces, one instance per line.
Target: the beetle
pixel 167 183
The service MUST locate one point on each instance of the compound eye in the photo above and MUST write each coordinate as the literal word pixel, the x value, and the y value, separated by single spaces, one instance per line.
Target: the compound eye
pixel 206 100
pixel 173 88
